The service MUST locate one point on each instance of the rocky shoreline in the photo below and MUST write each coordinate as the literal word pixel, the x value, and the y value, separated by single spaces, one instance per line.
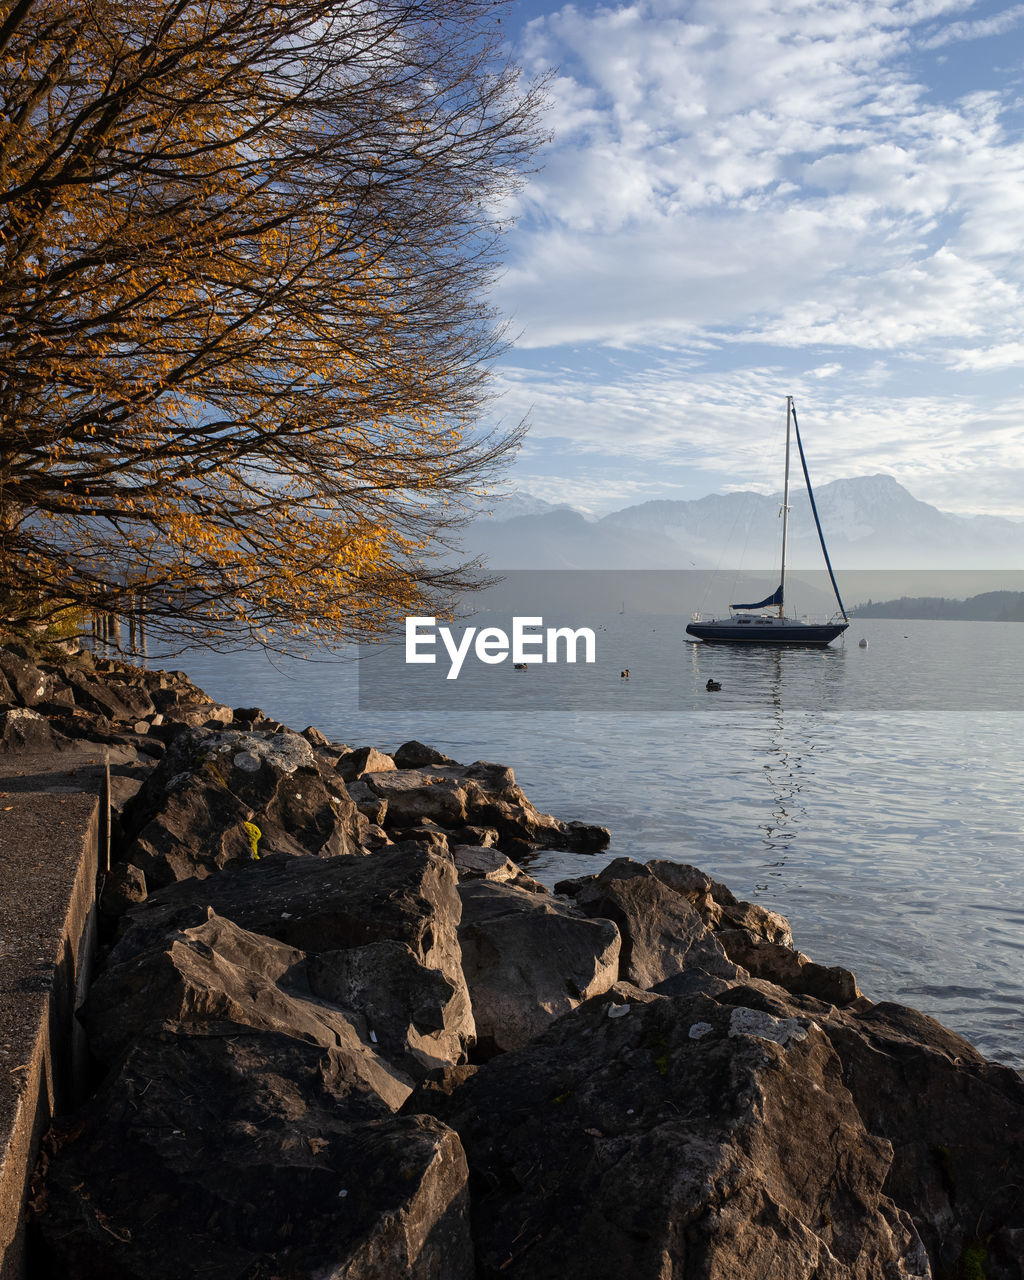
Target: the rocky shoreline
pixel 341 1032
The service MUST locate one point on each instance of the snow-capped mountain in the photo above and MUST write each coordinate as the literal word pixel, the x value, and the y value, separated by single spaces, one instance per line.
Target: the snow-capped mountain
pixel 869 522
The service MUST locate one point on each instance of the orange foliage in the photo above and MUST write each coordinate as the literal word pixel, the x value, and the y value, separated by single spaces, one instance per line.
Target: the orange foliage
pixel 243 335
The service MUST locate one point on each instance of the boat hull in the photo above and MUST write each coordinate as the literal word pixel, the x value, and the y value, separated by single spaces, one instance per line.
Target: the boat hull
pixel 792 635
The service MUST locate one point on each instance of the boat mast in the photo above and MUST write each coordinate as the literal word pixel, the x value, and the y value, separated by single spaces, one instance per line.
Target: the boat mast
pixel 817 522
pixel 785 512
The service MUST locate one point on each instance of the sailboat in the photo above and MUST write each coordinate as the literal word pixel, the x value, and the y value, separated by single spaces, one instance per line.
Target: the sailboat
pixel 752 623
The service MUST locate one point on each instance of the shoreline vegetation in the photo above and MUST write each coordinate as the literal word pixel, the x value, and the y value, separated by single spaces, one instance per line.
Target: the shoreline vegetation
pixel 989 606
pixel 340 1030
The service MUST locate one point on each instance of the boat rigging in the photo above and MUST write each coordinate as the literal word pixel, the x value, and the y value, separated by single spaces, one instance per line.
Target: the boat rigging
pixel 749 623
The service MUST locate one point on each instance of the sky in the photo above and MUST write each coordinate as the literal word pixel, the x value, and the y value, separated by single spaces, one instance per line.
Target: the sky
pixel 745 199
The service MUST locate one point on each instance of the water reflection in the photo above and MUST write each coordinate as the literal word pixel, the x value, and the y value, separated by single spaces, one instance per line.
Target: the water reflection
pixel 781 772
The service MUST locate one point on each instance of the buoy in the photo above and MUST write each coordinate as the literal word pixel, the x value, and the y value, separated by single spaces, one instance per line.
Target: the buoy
pixel 863 644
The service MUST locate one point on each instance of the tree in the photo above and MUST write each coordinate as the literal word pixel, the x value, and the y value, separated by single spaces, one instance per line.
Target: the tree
pixel 243 331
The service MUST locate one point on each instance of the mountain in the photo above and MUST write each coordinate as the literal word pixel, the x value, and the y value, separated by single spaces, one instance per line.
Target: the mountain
pixel 870 522
pixel 564 539
pixel 990 606
pixel 514 505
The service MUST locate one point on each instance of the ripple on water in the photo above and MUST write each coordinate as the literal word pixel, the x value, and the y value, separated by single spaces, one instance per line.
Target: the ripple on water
pixel 836 792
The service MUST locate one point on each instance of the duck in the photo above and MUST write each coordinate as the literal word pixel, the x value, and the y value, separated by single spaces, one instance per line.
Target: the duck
pixel 712 686
pixel 520 666
pixel 625 674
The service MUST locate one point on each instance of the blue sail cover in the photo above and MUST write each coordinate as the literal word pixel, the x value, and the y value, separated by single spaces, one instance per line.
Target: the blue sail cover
pixel 774 598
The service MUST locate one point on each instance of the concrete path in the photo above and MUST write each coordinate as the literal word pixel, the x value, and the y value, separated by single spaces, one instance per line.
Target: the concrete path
pixel 54 832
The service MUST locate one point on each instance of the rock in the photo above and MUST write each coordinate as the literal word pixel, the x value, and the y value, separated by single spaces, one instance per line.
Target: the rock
pixel 787 968
pixel 757 922
pixel 195 812
pixel 674 1138
pixel 317 740
pixel 495 779
pixel 527 960
pixel 22 729
pixel 124 886
pixel 716 904
pixel 217 973
pixel 247 717
pixel 413 795
pixel 354 764
pixel 424 832
pixel 955 1121
pixel 374 837
pixel 662 932
pixel 479 796
pixel 495 800
pixel 368 802
pixel 61 698
pixel 409 1009
pixel 404 894
pixel 105 697
pixel 122 789
pixel 473 862
pixel 485 837
pixel 24 682
pixel 413 755
pixel 177 698
pixel 245 1152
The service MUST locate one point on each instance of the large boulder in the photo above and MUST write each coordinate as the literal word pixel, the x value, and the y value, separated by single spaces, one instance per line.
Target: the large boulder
pixel 677 1138
pixel 955 1122
pixel 714 902
pixel 528 959
pixel 408 1008
pixel 22 729
pixel 24 684
pixel 662 932
pixel 215 973
pixel 225 796
pixel 404 894
pixel 114 699
pixel 674 918
pixel 412 794
pixel 244 1154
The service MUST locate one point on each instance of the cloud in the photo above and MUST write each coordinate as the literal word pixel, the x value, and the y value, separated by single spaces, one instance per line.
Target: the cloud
pixel 1008 355
pixel 998 24
pixel 713 163
pixel 765 196
pixel 637 434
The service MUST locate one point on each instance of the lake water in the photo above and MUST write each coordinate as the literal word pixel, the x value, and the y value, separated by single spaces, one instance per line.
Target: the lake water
pixel 872 795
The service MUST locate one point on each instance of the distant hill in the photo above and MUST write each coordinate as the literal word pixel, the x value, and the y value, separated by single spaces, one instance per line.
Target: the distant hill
pixel 870 522
pixel 990 606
